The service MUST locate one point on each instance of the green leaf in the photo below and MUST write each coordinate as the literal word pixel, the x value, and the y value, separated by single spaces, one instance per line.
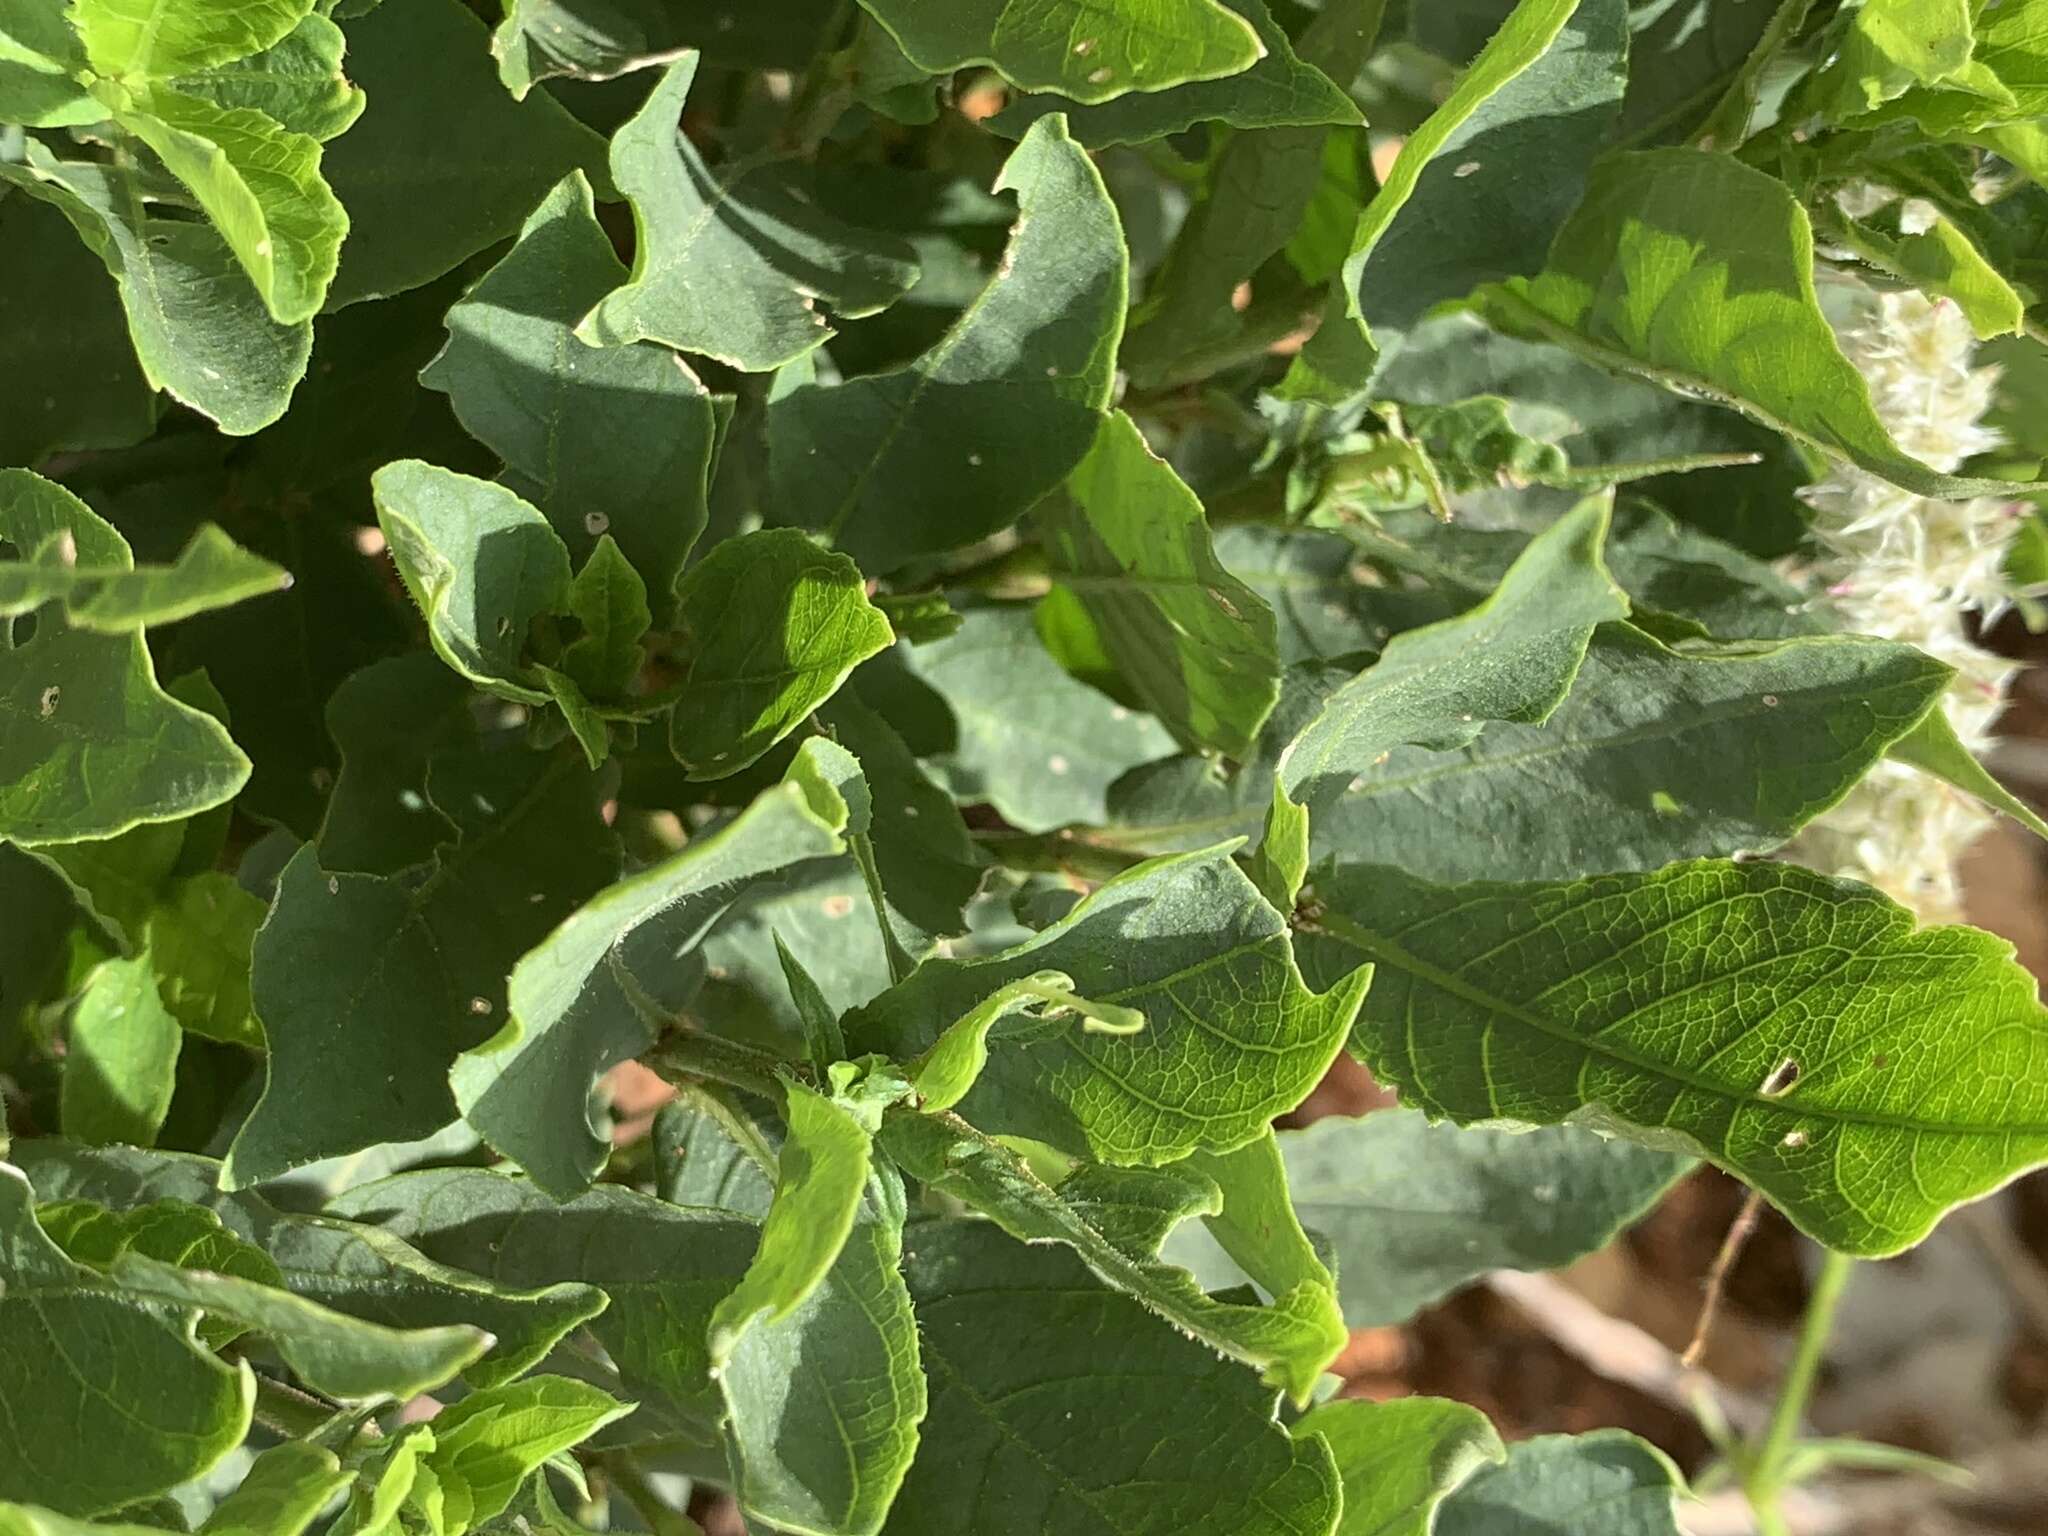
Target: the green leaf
pixel 113 596
pixel 1680 59
pixel 199 329
pixel 1933 747
pixel 68 375
pixel 297 82
pixel 198 943
pixel 1091 53
pixel 1412 1211
pixel 732 264
pixel 1458 207
pixel 1039 746
pixel 481 564
pixel 958 443
pixel 1656 754
pixel 1940 260
pixel 283 1490
pixel 390 721
pixel 1281 863
pixel 822 1170
pixel 1279 90
pixel 28 1520
pixel 1193 642
pixel 616 438
pixel 768 627
pixel 122 1061
pixel 438 132
pixel 1513 657
pixel 369 986
pixel 65 1338
pixel 1607 1483
pixel 1887 48
pixel 603 39
pixel 1793 1029
pixel 92 746
pixel 1401 1460
pixel 1693 270
pixel 40 62
pixel 609 600
pixel 489 1443
pixel 929 866
pixel 1188 942
pixel 259 183
pixel 136 38
pixel 1018 1341
pixel 1264 191
pixel 352 1269
pixel 597 989
pixel 330 1351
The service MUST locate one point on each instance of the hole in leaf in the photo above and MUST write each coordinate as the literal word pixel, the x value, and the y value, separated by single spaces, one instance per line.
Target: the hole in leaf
pixel 1782 1077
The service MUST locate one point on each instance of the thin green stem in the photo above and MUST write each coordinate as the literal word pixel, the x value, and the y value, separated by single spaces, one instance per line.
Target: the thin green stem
pixel 287 1411
pixel 1764 1477
pixel 687 1057
pixel 631 1484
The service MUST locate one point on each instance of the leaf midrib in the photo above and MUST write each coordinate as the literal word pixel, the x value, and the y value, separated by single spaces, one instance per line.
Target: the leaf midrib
pixel 1385 951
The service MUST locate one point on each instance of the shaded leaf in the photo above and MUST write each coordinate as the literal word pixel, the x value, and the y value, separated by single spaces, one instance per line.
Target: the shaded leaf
pixel 596 990
pixel 958 443
pixel 1607 1483
pixel 1017 1343
pixel 602 39
pixel 613 439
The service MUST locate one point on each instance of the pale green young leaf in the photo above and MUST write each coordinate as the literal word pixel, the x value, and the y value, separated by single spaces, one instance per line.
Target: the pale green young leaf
pixel 283 1490
pixel 1460 206
pixel 823 1168
pixel 489 1443
pixel 768 626
pixel 358 1270
pixel 1401 1460
pixel 92 746
pixel 599 988
pixel 1933 747
pixel 200 330
pixel 68 375
pixel 1513 657
pixel 330 1351
pixel 1796 1030
pixel 369 986
pixel 1694 270
pixel 1281 862
pixel 609 600
pixel 261 186
pixel 1187 942
pixel 1089 52
pixel 1280 90
pixel 958 443
pixel 1411 1211
pixel 1940 260
pixel 1607 1483
pixel 1193 642
pixel 297 82
pixel 1037 744
pixel 212 571
pixel 64 1335
pixel 481 564
pixel 383 1486
pixel 30 1520
pixel 1887 48
pixel 438 132
pixel 122 1058
pixel 141 38
pixel 734 263
pixel 1656 754
pixel 1018 1340
pixel 611 439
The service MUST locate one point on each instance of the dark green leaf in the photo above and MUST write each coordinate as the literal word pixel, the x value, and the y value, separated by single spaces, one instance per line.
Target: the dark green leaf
pixel 959 443
pixel 601 39
pixel 1400 1460
pixel 1606 1483
pixel 613 438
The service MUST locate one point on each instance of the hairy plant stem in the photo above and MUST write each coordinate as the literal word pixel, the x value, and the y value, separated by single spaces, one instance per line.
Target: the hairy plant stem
pixel 687 1057
pixel 289 1412
pixel 1763 1478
